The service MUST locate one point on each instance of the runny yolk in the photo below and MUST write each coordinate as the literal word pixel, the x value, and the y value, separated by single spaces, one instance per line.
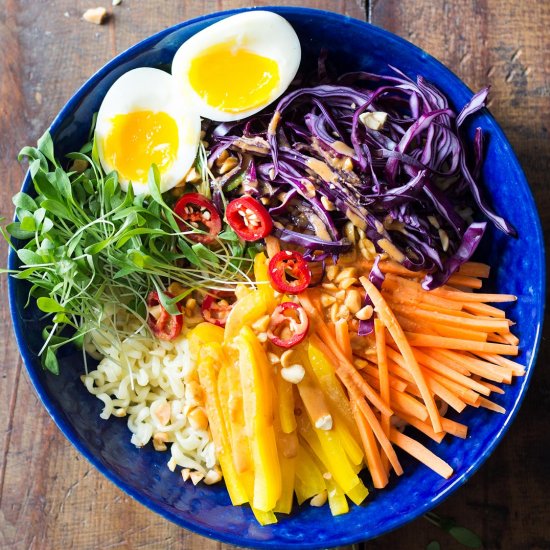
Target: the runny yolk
pixel 233 79
pixel 139 139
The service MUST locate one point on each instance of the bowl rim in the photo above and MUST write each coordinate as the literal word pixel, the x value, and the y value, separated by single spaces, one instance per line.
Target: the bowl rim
pixel 73 438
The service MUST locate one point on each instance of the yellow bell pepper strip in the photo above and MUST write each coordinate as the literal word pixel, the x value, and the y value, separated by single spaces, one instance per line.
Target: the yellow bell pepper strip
pixel 229 390
pixel 349 443
pixel 312 395
pixel 285 404
pixel 309 478
pixel 336 498
pixel 255 371
pixel 263 284
pixel 209 356
pixel 327 446
pixel 263 518
pixel 284 504
pixel 287 449
pixel 202 334
pixel 358 494
pixel 244 312
pixel 331 386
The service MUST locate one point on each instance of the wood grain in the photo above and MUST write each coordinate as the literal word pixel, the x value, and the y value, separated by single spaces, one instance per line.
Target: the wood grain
pixel 50 497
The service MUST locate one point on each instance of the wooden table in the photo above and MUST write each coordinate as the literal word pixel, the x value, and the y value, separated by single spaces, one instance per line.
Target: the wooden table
pixel 51 498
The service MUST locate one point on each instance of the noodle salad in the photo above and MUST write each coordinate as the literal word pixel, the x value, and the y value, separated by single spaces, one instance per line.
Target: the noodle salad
pixel 270 272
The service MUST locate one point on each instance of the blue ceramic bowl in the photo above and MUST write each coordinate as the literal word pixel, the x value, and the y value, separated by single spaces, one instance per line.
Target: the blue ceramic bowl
pixel 518 269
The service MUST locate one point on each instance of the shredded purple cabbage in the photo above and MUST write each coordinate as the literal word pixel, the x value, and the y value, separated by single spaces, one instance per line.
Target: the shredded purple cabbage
pixel 384 152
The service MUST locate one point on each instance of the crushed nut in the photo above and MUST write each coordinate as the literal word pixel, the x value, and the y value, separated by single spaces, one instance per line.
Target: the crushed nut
pixel 273 358
pixel 353 301
pixel 228 165
pixel 365 313
pixel 330 286
pixel 97 16
pixel 327 204
pixel 198 419
pixel 319 500
pixel 196 477
pixel 221 158
pixel 347 165
pixel 212 476
pixel 374 120
pixel 346 273
pixel 331 272
pixel 159 441
pixel 293 374
pixel 162 413
pixel 360 364
pixel 346 283
pixel 444 239
pixel 327 300
pixel 324 422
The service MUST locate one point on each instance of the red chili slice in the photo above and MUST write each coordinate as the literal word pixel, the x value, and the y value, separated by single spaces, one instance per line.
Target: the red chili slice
pixel 201 214
pixel 289 272
pixel 288 325
pixel 164 326
pixel 248 218
pixel 215 309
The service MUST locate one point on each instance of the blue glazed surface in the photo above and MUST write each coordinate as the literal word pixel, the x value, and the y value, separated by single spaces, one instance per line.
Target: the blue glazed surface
pixel 518 269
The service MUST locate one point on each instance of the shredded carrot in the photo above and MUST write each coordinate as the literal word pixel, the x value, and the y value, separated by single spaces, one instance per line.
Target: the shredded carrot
pixel 460 280
pixel 385 444
pixel 428 340
pixel 516 368
pixel 388 318
pixel 342 337
pixel 475 269
pixel 374 460
pixel 485 403
pixel 454 428
pixel 484 309
pixel 485 325
pixel 421 453
pixel 424 427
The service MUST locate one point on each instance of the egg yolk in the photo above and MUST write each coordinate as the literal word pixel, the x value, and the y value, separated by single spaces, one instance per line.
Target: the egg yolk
pixel 233 79
pixel 139 139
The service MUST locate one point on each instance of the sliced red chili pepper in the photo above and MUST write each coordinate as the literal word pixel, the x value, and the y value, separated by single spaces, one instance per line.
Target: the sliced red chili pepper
pixel 199 213
pixel 215 308
pixel 164 326
pixel 248 218
pixel 289 272
pixel 288 325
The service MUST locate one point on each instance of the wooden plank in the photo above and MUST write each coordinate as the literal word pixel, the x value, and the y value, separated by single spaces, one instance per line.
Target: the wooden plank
pixel 504 44
pixel 50 496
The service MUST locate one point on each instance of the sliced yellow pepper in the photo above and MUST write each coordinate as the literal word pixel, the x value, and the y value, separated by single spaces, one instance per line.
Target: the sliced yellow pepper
pixel 309 478
pixel 230 392
pixel 210 355
pixel 263 283
pixel 285 404
pixel 244 312
pixel 255 371
pixel 333 390
pixel 327 446
pixel 202 334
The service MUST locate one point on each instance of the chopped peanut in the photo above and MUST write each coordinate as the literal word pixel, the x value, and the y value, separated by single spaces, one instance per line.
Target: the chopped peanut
pixel 97 16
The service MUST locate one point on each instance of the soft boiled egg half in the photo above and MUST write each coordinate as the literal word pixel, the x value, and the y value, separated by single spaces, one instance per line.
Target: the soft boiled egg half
pixel 236 67
pixel 143 120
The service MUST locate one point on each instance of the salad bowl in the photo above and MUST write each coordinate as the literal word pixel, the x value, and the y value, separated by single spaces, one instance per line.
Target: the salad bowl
pixel 517 268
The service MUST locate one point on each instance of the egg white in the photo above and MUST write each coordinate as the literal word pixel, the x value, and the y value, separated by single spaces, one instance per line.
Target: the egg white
pixel 148 89
pixel 262 32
